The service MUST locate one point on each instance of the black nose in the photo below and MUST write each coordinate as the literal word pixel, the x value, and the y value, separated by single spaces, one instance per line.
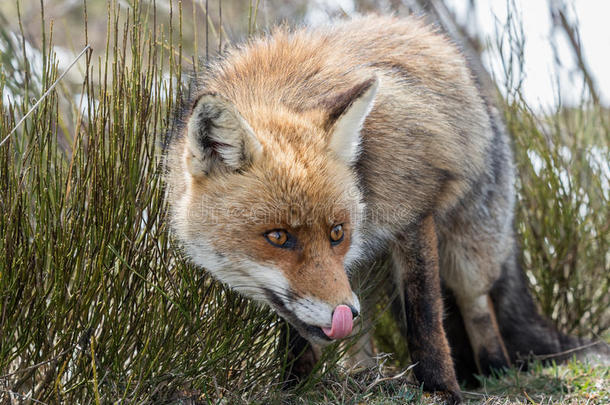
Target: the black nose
pixel 355 312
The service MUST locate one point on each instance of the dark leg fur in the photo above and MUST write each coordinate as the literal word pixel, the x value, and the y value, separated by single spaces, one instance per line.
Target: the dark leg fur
pixel 524 330
pixel 497 358
pixel 416 266
pixel 461 350
pixel 522 327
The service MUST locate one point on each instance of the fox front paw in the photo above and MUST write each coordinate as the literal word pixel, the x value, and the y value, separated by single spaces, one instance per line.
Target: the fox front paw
pixel 439 379
pixel 453 397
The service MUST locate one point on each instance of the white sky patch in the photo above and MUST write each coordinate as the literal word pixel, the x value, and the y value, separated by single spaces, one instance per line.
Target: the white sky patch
pixel 543 81
pixel 540 86
pixel 595 34
pixel 320 11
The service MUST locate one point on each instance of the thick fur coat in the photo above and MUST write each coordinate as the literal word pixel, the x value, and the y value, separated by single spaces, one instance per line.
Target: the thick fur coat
pixel 374 127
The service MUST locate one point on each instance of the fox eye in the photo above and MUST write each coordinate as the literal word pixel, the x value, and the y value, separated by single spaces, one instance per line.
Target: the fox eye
pixel 336 234
pixel 280 238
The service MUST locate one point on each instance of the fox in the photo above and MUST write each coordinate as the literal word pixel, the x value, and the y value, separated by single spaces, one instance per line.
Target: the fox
pixel 306 153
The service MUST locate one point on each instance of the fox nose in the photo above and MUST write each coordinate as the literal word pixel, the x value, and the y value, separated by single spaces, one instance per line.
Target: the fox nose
pixel 352 308
pixel 355 312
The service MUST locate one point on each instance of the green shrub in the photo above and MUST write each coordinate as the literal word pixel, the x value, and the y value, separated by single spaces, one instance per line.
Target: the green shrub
pixel 95 302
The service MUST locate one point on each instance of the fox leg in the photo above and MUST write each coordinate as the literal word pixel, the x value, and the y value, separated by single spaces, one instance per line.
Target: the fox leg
pixel 524 329
pixel 472 247
pixel 461 350
pixel 470 268
pixel 485 338
pixel 420 308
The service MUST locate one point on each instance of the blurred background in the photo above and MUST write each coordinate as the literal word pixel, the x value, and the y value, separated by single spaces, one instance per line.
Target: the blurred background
pixel 562 39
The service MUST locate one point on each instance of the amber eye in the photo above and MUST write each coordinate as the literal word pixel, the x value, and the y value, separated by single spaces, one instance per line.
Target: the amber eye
pixel 280 238
pixel 336 234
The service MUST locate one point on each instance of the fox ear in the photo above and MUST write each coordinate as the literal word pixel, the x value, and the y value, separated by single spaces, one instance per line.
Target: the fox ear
pixel 218 137
pixel 347 112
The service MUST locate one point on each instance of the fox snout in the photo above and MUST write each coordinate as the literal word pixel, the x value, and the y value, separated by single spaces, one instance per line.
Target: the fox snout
pixel 315 319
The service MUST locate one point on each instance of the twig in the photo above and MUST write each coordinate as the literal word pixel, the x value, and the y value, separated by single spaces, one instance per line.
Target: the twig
pixel 572 350
pixel 207 24
pixel 474 394
pixel 529 398
pixel 220 26
pixel 46 93
pixel 5 376
pixel 25 397
pixel 395 377
pixel 558 15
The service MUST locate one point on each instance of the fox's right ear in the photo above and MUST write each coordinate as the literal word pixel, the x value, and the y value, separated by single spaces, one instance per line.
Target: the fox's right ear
pixel 347 112
pixel 218 137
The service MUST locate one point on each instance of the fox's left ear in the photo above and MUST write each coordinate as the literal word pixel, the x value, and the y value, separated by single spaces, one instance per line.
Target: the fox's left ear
pixel 218 137
pixel 346 114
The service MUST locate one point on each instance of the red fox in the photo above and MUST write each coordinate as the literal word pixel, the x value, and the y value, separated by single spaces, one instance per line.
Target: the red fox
pixel 305 154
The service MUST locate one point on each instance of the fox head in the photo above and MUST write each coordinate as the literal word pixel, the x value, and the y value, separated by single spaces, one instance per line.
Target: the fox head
pixel 270 203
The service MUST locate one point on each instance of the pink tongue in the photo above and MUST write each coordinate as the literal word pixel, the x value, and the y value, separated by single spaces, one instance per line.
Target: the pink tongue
pixel 342 323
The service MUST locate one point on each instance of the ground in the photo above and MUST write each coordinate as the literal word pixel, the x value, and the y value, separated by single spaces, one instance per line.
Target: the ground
pixel 572 383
